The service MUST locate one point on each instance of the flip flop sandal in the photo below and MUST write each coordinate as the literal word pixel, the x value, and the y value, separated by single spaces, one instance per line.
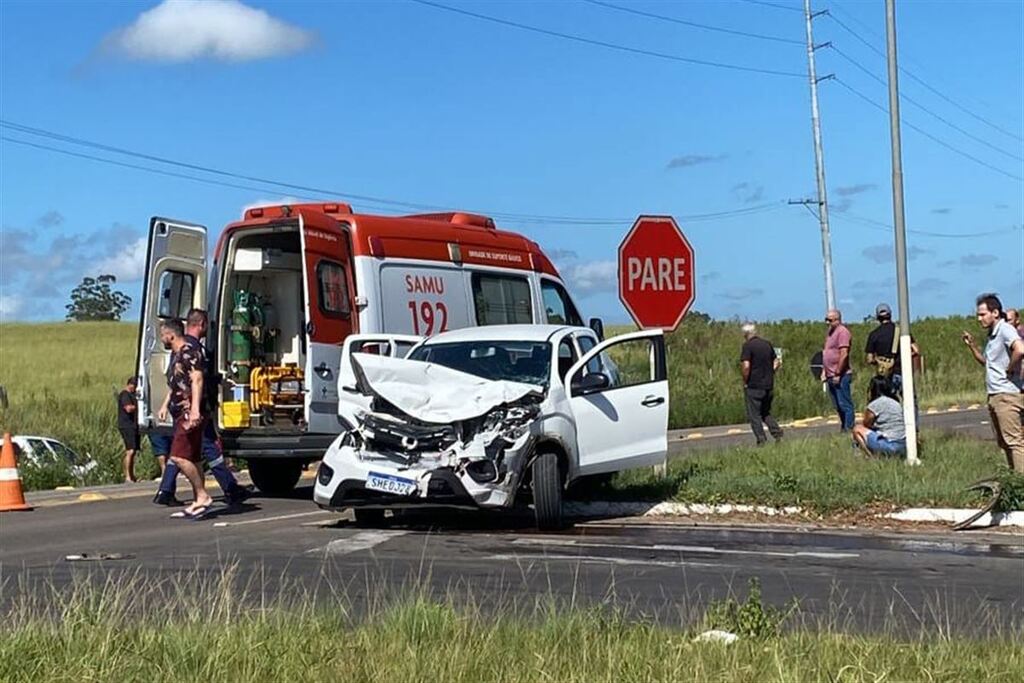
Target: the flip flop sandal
pixel 196 514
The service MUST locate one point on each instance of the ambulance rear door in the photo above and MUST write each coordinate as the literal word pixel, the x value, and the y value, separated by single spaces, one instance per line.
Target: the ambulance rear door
pixel 175 281
pixel 328 288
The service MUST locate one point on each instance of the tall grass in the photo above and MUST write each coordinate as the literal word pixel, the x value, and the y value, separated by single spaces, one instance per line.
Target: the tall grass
pixel 822 476
pixel 60 377
pixel 196 628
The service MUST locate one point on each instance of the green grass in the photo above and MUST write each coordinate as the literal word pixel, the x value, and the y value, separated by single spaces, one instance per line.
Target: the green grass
pixel 822 476
pixel 197 629
pixel 60 379
pixel 707 389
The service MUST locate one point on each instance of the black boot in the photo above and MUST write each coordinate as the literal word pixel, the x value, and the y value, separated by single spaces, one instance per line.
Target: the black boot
pixel 164 498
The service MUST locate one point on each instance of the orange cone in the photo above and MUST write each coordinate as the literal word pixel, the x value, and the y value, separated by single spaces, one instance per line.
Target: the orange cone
pixel 11 496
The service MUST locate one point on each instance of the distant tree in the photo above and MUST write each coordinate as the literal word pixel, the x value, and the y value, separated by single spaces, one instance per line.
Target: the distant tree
pixel 698 316
pixel 94 299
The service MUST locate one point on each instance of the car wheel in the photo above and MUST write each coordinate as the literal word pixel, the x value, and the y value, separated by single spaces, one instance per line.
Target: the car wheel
pixel 275 477
pixel 547 492
pixel 368 516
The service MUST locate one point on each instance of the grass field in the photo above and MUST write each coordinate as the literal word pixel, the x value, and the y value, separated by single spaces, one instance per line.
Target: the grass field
pixel 124 631
pixel 824 475
pixel 60 378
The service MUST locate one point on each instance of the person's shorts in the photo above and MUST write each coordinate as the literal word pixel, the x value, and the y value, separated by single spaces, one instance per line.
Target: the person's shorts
pixel 882 446
pixel 161 444
pixel 131 438
pixel 187 444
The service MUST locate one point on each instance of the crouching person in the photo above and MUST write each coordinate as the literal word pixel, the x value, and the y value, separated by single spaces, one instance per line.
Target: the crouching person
pixel 882 431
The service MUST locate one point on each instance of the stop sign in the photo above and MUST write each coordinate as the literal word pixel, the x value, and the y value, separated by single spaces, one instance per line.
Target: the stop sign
pixel 656 273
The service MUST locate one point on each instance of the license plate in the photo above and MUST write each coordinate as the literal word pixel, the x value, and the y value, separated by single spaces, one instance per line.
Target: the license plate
pixel 388 483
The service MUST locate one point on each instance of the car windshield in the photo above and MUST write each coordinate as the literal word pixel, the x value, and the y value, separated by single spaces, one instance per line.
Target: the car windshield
pixel 511 361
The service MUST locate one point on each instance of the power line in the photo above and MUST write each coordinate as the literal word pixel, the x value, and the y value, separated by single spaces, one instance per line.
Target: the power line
pixel 928 135
pixel 526 218
pixel 922 82
pixel 720 215
pixel 886 227
pixel 692 24
pixel 924 108
pixel 773 5
pixel 600 43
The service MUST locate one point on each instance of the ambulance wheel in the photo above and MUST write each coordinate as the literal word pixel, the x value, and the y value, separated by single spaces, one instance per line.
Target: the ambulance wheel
pixel 547 492
pixel 368 517
pixel 275 477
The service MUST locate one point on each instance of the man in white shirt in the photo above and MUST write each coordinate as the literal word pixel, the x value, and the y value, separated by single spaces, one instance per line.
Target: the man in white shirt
pixel 1002 357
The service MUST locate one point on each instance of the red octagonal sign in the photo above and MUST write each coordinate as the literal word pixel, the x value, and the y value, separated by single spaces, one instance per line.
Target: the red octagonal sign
pixel 656 273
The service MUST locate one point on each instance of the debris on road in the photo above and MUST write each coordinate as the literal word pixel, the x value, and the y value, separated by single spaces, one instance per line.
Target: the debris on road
pixel 98 557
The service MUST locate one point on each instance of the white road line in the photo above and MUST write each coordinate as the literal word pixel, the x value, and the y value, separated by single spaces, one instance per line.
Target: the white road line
pixel 361 540
pixel 272 519
pixel 594 559
pixel 681 548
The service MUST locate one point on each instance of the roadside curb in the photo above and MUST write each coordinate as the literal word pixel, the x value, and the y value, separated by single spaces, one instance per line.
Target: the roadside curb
pixel 642 509
pixel 955 516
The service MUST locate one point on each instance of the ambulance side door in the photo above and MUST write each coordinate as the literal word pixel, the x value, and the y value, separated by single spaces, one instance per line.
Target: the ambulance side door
pixel 175 281
pixel 328 290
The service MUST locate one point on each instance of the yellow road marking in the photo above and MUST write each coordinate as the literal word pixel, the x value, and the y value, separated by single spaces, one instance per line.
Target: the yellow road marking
pixel 735 431
pixel 89 497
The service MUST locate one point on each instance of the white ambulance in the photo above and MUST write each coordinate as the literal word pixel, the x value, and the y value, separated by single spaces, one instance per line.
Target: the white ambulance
pixel 286 286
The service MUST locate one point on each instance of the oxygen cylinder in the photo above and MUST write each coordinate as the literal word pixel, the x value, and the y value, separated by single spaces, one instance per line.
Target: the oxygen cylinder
pixel 241 339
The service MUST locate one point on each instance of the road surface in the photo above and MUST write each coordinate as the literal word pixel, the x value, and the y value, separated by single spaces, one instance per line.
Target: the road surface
pixel 967 422
pixel 862 581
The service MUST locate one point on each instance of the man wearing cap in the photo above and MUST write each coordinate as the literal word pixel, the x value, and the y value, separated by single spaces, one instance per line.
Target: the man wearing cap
pixel 127 424
pixel 883 348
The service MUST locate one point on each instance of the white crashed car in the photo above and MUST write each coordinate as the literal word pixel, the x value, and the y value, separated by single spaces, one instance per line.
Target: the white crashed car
pixel 473 417
pixel 41 450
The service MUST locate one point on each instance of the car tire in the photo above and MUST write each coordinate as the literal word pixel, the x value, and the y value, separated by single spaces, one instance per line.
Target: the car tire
pixel 547 492
pixel 275 477
pixel 368 516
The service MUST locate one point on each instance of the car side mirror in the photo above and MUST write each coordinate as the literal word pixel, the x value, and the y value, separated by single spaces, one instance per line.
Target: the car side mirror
pixel 590 383
pixel 597 325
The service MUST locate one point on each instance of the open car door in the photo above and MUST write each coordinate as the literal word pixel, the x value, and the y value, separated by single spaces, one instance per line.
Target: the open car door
pixel 618 395
pixel 175 281
pixel 328 288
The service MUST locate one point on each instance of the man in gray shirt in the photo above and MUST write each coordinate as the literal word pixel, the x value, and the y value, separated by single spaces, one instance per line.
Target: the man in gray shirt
pixel 1002 360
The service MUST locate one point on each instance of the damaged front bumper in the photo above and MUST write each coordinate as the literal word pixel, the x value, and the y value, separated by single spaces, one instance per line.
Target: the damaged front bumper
pixel 352 476
pixel 432 437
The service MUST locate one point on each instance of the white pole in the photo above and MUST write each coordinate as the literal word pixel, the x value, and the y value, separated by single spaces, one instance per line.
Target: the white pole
pixel 903 293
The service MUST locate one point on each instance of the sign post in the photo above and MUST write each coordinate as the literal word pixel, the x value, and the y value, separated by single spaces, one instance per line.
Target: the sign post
pixel 656 277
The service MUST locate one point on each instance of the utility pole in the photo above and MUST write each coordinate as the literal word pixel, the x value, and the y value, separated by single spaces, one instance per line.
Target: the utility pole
pixel 906 360
pixel 819 160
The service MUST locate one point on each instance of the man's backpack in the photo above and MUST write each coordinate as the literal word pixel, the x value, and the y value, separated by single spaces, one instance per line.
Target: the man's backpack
pixel 886 366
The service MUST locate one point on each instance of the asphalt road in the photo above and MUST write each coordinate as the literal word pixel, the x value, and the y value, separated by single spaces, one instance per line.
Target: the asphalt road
pixel 965 421
pixel 863 581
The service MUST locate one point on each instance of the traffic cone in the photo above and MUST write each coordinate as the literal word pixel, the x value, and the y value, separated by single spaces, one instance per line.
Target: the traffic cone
pixel 11 496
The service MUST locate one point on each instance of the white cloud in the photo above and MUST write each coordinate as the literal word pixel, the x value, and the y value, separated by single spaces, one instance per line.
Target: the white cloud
pixel 10 307
pixel 226 30
pixel 128 264
pixel 592 276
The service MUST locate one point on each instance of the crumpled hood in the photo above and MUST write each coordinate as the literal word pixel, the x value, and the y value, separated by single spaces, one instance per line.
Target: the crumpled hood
pixel 433 393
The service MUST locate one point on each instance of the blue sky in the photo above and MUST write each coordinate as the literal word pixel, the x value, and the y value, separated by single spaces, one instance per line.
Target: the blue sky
pixel 413 103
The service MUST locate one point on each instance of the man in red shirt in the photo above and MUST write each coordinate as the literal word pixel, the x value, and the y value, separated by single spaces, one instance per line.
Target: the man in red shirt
pixel 185 404
pixel 836 371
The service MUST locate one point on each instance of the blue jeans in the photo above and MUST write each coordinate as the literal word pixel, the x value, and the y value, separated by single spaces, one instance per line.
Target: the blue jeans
pixel 879 445
pixel 842 399
pixel 215 460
